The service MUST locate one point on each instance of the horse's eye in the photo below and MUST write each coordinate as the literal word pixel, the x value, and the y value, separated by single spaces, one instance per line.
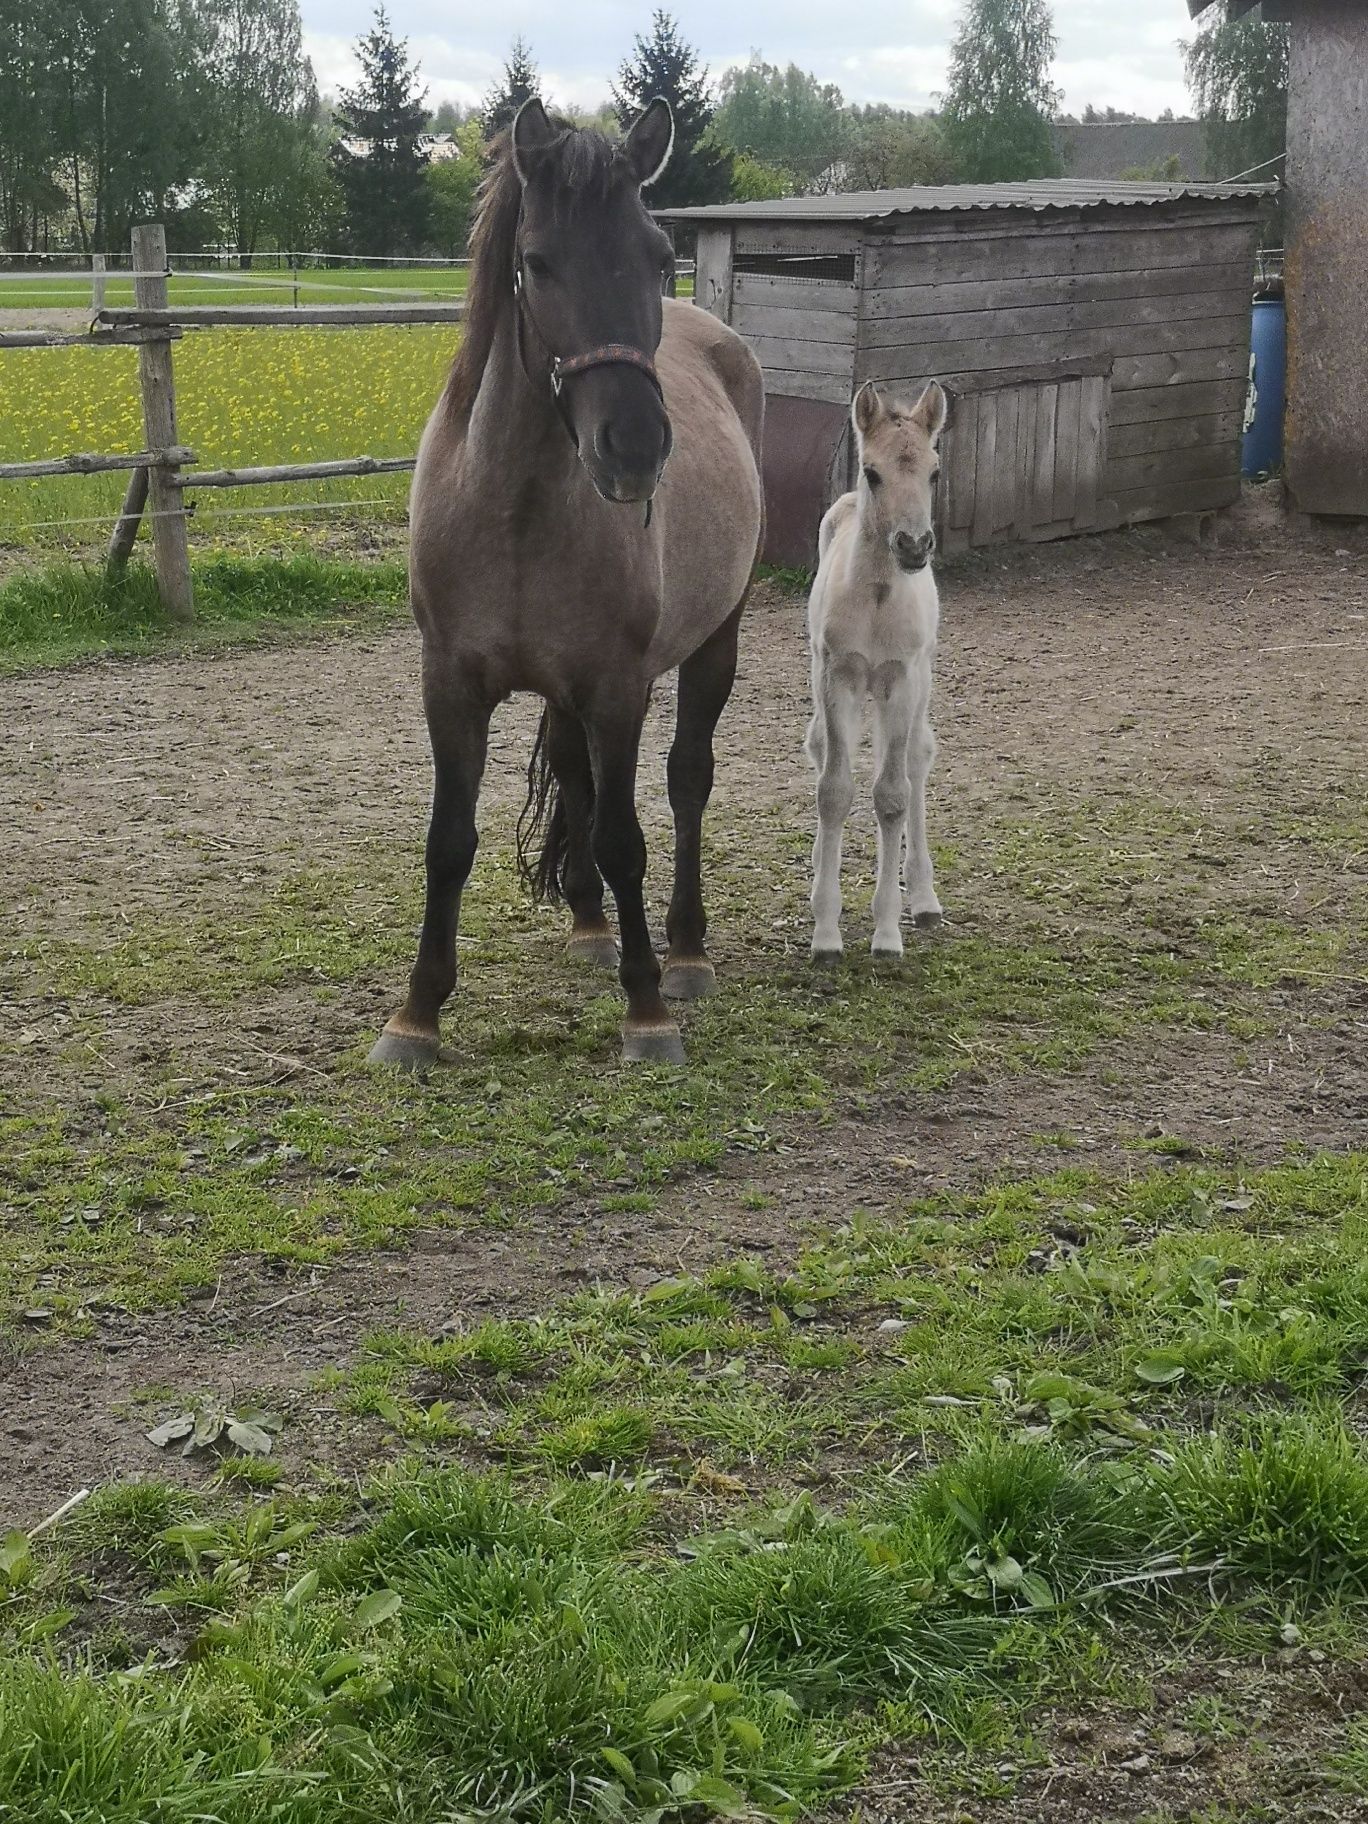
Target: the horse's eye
pixel 537 265
pixel 935 473
pixel 873 477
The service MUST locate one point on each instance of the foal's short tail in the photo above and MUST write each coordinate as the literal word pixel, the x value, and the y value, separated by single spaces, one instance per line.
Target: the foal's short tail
pixel 543 822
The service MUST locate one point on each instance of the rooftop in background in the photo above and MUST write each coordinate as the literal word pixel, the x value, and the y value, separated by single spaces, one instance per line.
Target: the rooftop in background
pixel 1101 149
pixel 1040 195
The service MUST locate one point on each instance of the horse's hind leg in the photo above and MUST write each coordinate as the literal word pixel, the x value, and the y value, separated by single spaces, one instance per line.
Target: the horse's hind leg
pixel 922 904
pixel 591 941
pixel 458 724
pixel 614 736
pixel 705 683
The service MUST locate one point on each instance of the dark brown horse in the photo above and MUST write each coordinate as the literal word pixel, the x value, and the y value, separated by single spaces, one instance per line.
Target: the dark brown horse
pixel 554 550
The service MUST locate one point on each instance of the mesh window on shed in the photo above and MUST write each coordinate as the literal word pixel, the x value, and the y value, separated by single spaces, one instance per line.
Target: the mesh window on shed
pixel 838 268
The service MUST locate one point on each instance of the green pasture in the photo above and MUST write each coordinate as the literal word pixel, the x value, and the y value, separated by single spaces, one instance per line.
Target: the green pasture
pixel 707 1547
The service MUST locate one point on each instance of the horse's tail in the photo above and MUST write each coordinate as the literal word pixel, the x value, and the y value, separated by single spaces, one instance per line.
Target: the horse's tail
pixel 543 823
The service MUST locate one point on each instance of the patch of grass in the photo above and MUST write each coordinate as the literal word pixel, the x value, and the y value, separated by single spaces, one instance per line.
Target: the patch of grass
pixel 71 611
pixel 1282 1498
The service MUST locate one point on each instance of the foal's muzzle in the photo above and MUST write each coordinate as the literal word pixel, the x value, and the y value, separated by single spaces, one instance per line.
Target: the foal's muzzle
pixel 911 550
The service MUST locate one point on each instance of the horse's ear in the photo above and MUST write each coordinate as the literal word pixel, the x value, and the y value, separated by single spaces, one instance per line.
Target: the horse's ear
pixel 650 141
pixel 866 408
pixel 932 409
pixel 533 136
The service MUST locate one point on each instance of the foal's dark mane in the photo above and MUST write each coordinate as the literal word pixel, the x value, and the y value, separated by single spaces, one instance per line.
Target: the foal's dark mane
pixel 581 162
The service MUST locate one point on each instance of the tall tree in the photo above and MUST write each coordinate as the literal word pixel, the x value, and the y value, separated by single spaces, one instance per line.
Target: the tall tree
pixel 519 83
pixel 452 187
pixel 128 113
pixel 998 106
pixel 379 158
pixel 1237 72
pixel 28 138
pixel 889 149
pixel 783 117
pixel 262 102
pixel 699 170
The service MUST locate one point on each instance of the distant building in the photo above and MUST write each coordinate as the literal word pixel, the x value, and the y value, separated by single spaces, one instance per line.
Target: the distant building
pixel 1106 149
pixel 441 148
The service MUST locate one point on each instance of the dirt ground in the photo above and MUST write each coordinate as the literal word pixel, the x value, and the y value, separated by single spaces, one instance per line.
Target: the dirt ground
pixel 1116 667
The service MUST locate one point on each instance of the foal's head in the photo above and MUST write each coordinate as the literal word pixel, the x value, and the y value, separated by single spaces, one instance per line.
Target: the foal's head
pixel 590 265
pixel 898 469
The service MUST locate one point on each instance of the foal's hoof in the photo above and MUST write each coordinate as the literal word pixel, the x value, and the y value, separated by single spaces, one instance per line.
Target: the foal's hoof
pixel 886 953
pixel 927 921
pixel 689 979
pixel 826 958
pixel 593 949
pixel 659 1044
pixel 405 1050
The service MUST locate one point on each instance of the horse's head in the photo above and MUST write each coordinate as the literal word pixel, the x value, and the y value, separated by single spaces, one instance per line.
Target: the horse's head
pixel 898 469
pixel 589 269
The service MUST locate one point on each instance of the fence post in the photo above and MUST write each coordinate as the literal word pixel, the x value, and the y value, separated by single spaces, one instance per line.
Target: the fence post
pixel 170 545
pixel 97 281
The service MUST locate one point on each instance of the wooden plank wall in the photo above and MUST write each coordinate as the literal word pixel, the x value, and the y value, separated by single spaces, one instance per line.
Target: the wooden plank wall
pixel 801 328
pixel 1164 292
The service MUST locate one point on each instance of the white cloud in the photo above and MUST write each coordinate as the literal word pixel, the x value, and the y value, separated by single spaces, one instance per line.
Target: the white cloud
pixel 1124 56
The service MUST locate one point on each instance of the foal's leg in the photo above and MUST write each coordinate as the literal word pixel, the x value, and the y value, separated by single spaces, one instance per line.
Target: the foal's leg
pixel 893 706
pixel 568 753
pixel 705 683
pixel 614 736
pixel 840 704
pixel 458 725
pixel 922 905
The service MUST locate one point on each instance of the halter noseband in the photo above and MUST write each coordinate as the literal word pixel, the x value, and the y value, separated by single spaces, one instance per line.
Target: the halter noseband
pixel 564 367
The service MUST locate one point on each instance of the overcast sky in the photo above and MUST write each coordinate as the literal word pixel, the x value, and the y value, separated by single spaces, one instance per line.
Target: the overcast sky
pixel 1117 53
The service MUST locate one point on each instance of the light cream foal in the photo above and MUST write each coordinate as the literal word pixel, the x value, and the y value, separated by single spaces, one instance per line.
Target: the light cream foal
pixel 872 620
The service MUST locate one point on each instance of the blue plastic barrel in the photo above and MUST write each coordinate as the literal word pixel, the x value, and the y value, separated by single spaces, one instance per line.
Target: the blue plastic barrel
pixel 1263 441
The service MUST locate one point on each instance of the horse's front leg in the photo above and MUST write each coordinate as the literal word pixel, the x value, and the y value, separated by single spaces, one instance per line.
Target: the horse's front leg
pixel 614 736
pixel 705 683
pixel 458 727
pixel 835 731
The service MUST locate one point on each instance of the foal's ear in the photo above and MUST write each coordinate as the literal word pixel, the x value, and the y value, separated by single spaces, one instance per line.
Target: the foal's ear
pixel 650 141
pixel 533 136
pixel 866 408
pixel 931 409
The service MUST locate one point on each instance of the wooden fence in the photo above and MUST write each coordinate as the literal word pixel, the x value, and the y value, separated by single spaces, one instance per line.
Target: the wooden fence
pixel 162 472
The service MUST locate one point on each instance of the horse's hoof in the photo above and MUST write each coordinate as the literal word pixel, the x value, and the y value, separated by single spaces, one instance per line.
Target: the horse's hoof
pixel 927 921
pixel 594 949
pixel 692 980
pixel 404 1050
pixel 886 953
pixel 660 1044
pixel 826 959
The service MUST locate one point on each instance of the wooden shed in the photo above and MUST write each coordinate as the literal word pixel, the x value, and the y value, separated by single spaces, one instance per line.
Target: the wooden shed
pixel 1094 339
pixel 1326 218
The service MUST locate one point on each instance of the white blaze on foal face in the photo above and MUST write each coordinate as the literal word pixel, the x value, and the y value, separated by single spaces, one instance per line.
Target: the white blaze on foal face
pixel 898 469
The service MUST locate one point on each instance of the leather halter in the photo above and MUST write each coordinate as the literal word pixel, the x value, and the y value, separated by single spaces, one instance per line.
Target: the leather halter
pixel 563 367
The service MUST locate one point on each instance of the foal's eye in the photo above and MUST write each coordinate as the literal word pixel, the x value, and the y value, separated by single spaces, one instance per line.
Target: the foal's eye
pixel 873 477
pixel 537 265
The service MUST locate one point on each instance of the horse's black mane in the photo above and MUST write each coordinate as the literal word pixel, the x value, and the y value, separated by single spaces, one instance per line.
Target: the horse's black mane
pixel 585 164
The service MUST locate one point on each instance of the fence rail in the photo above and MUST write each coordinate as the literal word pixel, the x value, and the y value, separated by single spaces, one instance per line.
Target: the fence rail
pixel 162 474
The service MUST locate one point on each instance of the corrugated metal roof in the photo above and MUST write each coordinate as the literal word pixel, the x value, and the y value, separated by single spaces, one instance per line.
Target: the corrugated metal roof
pixel 1044 193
